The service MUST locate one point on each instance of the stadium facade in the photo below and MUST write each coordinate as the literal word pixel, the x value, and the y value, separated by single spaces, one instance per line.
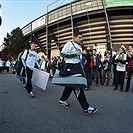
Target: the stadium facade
pixel 105 24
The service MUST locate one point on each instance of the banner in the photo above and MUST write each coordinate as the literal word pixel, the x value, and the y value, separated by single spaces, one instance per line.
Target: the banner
pixel 117 3
pixel 40 78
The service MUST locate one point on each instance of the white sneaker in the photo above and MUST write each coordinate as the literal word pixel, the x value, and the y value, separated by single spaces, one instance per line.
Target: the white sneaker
pixel 91 110
pixel 31 94
pixel 63 103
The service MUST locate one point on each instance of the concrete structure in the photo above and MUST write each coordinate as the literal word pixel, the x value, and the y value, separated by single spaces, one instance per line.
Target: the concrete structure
pixel 105 23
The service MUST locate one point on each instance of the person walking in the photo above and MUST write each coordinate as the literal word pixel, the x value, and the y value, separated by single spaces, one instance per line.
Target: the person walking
pixel 120 60
pixel 29 65
pixel 71 55
pixel 20 70
pixel 129 66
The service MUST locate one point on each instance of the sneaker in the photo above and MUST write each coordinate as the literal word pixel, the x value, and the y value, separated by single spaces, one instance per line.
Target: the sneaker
pixel 91 110
pixel 63 103
pixel 31 94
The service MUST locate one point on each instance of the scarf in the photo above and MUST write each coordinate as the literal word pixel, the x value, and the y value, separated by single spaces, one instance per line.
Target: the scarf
pixel 121 58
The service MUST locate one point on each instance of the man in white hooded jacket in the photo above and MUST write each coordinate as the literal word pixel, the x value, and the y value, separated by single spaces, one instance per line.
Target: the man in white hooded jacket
pixel 71 53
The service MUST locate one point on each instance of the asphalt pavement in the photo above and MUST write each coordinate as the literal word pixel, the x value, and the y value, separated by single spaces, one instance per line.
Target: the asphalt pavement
pixel 19 113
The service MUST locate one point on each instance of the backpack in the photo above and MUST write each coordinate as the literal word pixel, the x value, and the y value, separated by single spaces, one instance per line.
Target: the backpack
pixel 91 62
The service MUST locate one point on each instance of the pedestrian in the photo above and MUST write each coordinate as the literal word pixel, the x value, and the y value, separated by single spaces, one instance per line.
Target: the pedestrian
pixel 29 65
pixel 107 68
pixel 1 65
pixel 20 70
pixel 120 60
pixel 71 55
pixel 129 66
pixel 97 62
pixel 7 65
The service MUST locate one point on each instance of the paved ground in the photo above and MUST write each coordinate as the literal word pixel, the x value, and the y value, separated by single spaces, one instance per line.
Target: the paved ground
pixel 21 114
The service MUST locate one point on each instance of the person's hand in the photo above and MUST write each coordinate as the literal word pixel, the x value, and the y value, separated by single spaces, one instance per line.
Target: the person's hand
pixel 129 55
pixel 118 57
pixel 78 52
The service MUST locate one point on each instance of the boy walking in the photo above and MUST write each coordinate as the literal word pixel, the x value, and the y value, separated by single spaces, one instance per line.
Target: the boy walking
pixel 71 55
pixel 29 65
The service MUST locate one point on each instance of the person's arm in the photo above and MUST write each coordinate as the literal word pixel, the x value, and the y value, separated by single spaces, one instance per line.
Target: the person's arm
pixel 66 51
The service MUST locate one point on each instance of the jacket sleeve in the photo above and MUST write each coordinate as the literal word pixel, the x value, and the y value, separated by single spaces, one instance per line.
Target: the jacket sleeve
pixel 66 51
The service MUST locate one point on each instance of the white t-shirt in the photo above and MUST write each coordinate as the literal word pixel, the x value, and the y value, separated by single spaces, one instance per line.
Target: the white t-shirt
pixel 70 49
pixel 122 67
pixel 43 65
pixel 1 63
pixel 8 64
pixel 32 58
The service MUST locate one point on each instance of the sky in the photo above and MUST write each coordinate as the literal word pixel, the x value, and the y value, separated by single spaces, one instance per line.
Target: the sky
pixel 18 13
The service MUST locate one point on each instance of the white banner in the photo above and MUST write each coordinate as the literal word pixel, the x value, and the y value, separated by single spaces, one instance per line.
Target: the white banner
pixel 38 23
pixel 40 78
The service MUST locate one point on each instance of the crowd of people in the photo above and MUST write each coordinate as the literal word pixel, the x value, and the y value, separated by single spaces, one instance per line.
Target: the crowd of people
pixel 97 69
pixel 6 65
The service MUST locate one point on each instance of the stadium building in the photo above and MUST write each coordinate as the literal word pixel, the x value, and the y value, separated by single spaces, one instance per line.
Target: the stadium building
pixel 105 25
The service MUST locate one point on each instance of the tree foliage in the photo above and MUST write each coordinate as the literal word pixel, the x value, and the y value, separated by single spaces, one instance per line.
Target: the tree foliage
pixel 13 43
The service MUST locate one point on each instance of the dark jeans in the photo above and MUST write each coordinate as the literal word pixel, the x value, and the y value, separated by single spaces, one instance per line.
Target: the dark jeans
pixel 114 70
pixel 87 75
pixel 129 74
pixel 95 70
pixel 29 77
pixel 81 98
pixel 106 74
pixel 119 79
pixel 100 70
pixel 1 68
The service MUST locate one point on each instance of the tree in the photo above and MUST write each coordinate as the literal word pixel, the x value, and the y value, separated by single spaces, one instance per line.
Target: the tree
pixel 14 43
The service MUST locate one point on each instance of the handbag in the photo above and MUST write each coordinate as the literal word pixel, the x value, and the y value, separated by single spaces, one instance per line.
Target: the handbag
pixel 66 69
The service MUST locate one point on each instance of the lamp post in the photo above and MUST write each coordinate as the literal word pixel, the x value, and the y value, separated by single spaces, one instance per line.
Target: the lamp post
pixel 47 23
pixel 108 26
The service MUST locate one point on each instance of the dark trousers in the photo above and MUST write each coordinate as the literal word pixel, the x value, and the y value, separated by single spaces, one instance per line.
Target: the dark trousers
pixel 100 70
pixel 87 75
pixel 119 79
pixel 129 74
pixel 95 70
pixel 106 74
pixel 29 77
pixel 7 69
pixel 81 98
pixel 114 70
pixel 1 68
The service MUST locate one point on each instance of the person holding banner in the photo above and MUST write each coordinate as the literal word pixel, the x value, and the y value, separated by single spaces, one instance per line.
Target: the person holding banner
pixel 71 53
pixel 29 65
pixel 120 60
